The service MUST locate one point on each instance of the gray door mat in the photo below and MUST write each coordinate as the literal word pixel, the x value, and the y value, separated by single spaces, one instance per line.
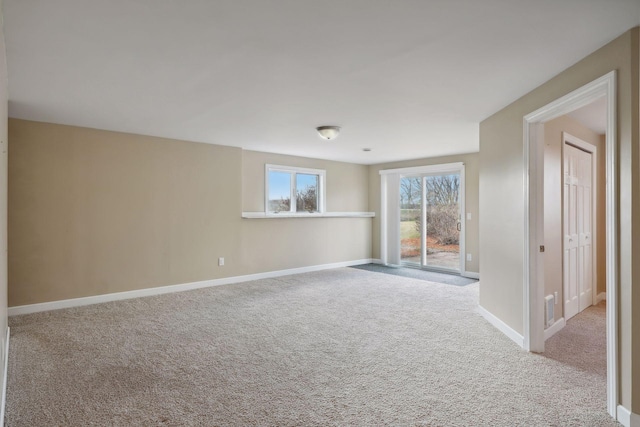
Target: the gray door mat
pixel 414 273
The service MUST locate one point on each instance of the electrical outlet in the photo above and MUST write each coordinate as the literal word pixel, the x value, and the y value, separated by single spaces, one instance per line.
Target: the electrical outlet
pixel 221 261
pixel 469 257
pixel 468 216
pixel 555 297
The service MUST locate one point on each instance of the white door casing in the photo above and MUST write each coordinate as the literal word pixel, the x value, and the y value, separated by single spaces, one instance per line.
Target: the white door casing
pixel 533 175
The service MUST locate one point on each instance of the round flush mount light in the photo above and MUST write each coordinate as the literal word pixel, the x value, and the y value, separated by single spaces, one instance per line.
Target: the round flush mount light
pixel 328 132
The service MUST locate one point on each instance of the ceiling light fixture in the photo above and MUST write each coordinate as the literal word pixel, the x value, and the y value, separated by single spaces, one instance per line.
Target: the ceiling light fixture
pixel 328 132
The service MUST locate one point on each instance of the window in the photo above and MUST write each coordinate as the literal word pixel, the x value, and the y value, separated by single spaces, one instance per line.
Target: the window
pixel 284 184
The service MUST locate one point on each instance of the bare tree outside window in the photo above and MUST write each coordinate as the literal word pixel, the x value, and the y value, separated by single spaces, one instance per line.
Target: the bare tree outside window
pixel 442 205
pixel 307 200
pixel 297 186
pixel 443 193
pixel 439 244
pixel 306 193
pixel 410 193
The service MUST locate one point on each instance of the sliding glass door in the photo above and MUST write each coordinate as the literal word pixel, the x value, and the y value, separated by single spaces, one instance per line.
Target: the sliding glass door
pixel 430 220
pixel 410 219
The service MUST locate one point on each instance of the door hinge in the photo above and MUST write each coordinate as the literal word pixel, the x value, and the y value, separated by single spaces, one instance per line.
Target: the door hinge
pixel 541 248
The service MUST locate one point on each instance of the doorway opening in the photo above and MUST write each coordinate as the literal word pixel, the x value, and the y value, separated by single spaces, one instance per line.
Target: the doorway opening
pixel 421 218
pixel 536 301
pixel 431 220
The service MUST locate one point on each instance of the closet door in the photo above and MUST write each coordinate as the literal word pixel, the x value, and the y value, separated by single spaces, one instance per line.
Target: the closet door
pixel 577 226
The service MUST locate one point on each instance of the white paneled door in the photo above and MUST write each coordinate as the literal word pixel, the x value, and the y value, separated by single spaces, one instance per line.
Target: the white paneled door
pixel 578 230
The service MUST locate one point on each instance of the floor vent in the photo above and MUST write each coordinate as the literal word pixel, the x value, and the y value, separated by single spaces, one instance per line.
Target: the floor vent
pixel 548 310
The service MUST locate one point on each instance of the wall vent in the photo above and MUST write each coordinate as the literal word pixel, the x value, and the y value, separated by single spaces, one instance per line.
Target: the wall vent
pixel 549 316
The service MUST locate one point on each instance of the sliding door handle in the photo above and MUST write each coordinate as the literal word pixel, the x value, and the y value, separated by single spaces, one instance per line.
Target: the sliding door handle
pixel 459 226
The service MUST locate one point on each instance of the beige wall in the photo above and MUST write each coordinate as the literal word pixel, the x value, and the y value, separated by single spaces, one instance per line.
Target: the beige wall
pixel 342 179
pixel 471 200
pixel 95 212
pixel 553 205
pixel 305 241
pixel 502 203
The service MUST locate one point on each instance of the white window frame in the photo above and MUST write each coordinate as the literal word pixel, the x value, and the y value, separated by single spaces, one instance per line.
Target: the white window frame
pixel 293 171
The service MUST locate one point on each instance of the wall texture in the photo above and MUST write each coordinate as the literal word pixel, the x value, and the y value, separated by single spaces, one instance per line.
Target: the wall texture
pixel 553 181
pixel 342 181
pixel 95 212
pixel 275 244
pixel 471 200
pixel 502 199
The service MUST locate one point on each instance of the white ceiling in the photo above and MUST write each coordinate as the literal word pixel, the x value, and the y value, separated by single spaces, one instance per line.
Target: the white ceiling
pixel 406 78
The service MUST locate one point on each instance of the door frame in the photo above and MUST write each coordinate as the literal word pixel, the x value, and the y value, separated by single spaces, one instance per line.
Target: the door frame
pixel 568 139
pixel 533 268
pixel 436 170
pixel 386 238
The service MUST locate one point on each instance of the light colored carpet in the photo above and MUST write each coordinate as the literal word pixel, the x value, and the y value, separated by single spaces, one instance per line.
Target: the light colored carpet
pixel 337 347
pixel 582 343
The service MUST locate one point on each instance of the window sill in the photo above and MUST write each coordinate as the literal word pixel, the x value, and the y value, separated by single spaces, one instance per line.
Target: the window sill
pixel 262 215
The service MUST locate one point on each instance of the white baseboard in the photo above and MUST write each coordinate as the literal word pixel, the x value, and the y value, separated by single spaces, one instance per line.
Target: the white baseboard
pixel 601 297
pixel 117 296
pixel 624 416
pixel 4 380
pixel 627 418
pixel 554 329
pixel 471 275
pixel 376 261
pixel 501 326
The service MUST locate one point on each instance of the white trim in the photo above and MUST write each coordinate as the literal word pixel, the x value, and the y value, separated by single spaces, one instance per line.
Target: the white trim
pixel 384 255
pixel 263 215
pixel 422 172
pixel 501 326
pixel 623 416
pixel 117 296
pixel 296 169
pixel 554 329
pixel 533 292
pixel 390 211
pixel 462 205
pixel 470 274
pixel 602 296
pixel 445 167
pixel 376 261
pixel 424 227
pixel 293 170
pixel 4 380
pixel 611 229
pixel 627 418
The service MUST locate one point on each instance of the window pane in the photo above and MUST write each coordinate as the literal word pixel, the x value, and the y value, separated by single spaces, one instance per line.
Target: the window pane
pixel 410 219
pixel 306 192
pixel 279 191
pixel 443 221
